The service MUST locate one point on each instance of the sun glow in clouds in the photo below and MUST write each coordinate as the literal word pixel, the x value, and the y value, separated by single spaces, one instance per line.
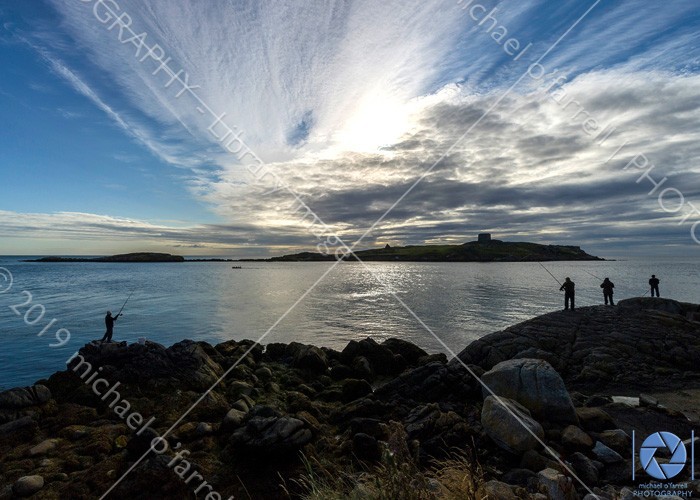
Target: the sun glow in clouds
pixel 380 120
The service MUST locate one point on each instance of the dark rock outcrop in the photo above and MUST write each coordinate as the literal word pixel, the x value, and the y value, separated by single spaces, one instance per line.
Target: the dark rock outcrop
pixel 638 344
pixel 20 402
pixel 187 361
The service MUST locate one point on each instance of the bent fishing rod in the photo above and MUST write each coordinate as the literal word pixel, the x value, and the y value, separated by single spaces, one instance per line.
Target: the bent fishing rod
pixel 528 255
pixel 555 279
pixel 597 277
pixel 124 305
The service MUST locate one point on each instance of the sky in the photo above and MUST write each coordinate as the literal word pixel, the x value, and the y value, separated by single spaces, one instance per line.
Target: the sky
pixel 426 121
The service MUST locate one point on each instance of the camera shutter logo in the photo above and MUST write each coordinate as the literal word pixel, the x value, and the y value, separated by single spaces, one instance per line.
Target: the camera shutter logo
pixel 662 440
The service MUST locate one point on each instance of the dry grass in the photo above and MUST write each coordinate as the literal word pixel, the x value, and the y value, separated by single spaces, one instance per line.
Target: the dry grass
pixel 397 476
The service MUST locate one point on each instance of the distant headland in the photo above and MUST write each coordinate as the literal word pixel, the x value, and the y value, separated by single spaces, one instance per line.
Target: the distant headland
pixel 484 249
pixel 125 257
pixel 138 257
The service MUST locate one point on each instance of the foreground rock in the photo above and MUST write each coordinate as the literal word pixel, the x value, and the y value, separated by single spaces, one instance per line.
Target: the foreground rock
pixel 534 384
pixel 28 485
pixel 510 425
pixel 287 415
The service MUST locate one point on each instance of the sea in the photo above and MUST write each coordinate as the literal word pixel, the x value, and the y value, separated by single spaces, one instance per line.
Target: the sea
pixel 441 307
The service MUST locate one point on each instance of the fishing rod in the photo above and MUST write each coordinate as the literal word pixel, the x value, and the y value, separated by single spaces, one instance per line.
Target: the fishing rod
pixel 127 300
pixel 555 279
pixel 597 277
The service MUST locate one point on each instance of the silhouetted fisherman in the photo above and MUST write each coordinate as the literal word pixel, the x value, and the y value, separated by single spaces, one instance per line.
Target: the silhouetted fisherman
pixel 109 323
pixel 569 293
pixel 654 283
pixel 607 287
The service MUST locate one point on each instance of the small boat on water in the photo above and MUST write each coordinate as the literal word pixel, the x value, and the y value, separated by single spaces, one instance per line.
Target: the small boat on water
pixel 236 267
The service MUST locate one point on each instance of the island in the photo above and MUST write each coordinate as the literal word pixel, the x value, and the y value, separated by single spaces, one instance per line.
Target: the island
pixel 140 257
pixel 126 257
pixel 484 249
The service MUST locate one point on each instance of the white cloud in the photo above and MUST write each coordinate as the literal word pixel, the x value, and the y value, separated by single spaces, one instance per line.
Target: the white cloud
pixel 361 75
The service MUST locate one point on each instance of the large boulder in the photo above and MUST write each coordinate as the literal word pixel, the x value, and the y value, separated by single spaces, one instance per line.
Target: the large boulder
pixel 510 425
pixel 534 384
pixel 408 351
pixel 23 397
pixel 381 358
pixel 28 485
pixel 311 358
pixel 194 362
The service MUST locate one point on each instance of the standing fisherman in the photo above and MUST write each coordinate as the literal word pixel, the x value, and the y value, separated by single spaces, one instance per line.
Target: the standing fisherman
pixel 607 287
pixel 654 284
pixel 109 320
pixel 109 323
pixel 569 293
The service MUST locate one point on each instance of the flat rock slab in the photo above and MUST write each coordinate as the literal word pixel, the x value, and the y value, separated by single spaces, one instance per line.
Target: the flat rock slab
pixel 686 401
pixel 637 346
pixel 646 421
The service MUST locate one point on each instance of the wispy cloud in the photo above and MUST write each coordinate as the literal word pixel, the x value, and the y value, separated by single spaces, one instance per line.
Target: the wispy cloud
pixel 349 102
pixel 92 229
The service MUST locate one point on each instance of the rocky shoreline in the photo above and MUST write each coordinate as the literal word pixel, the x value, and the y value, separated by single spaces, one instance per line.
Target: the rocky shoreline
pixel 375 420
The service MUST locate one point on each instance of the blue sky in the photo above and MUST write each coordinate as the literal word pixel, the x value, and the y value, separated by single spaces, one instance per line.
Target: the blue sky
pixel 348 103
pixel 59 152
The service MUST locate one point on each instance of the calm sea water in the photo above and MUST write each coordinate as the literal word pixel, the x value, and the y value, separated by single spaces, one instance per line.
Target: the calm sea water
pixel 460 302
